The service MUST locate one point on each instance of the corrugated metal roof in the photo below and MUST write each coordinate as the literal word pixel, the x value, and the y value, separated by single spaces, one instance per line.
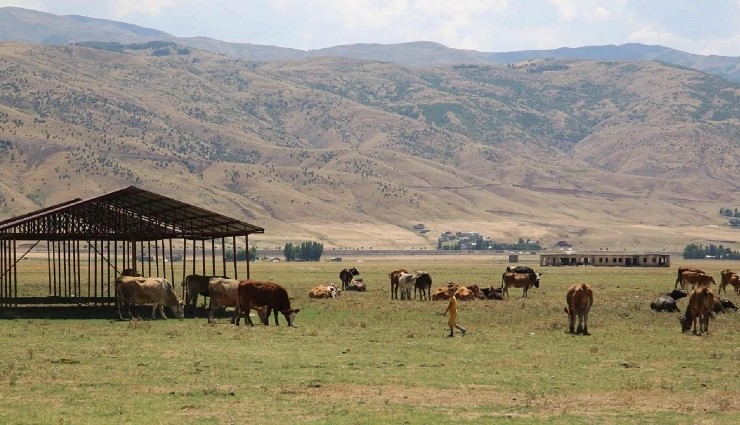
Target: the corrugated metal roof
pixel 130 213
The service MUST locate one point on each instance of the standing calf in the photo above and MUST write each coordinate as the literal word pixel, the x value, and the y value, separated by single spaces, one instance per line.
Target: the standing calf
pixel 580 297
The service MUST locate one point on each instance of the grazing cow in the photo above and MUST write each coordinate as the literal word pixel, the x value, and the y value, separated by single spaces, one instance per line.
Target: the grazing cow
pixel 579 298
pixel 679 277
pixel 393 276
pixel 346 276
pixel 695 279
pixel 726 280
pixel 157 291
pixel 701 303
pixel 324 291
pixel 423 285
pixel 224 292
pixel 195 285
pixel 271 295
pixel 520 280
pixel 357 285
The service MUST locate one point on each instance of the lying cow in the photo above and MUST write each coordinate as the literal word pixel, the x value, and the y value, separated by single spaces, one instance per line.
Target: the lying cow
pixel 324 291
pixel 157 291
pixel 492 293
pixel 520 280
pixel 271 295
pixel 579 299
pixel 357 285
pixel 679 276
pixel 224 292
pixel 722 304
pixel 701 303
pixel 346 276
pixel 519 269
pixel 667 301
pixel 463 293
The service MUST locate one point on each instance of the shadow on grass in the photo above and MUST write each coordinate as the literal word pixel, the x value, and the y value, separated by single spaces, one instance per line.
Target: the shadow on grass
pixel 77 312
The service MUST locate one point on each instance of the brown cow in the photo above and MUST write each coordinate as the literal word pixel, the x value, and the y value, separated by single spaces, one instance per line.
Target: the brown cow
pixel 463 293
pixel 701 303
pixel 272 295
pixel 580 297
pixel 679 279
pixel 696 279
pixel 224 292
pixel 520 280
pixel 735 282
pixel 157 291
pixel 394 281
pixel 726 280
pixel 324 291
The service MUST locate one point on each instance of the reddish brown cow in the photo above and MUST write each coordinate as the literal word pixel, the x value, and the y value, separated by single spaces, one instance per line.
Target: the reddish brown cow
pixel 520 280
pixel 696 279
pixel 272 295
pixel 679 279
pixel 394 281
pixel 701 303
pixel 735 282
pixel 580 297
pixel 726 280
pixel 224 292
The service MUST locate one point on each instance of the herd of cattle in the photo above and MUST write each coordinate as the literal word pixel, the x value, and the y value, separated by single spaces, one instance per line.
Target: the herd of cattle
pixel 267 297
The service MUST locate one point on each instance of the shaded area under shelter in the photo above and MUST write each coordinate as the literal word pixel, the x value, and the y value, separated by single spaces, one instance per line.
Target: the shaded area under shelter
pixel 87 243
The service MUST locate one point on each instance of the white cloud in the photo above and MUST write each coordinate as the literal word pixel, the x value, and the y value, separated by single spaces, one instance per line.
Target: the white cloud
pixel 568 9
pixel 652 35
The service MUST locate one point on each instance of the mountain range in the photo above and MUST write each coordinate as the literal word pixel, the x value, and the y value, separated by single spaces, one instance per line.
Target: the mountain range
pixel 354 145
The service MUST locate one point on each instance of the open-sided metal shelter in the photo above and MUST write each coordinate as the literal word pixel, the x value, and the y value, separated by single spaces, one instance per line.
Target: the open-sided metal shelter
pixel 89 242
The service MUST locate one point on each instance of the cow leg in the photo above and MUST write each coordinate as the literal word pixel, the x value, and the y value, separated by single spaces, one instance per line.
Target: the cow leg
pixel 275 313
pixel 585 323
pixel 245 311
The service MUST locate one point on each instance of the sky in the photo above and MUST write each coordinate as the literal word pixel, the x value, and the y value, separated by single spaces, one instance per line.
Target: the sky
pixel 706 27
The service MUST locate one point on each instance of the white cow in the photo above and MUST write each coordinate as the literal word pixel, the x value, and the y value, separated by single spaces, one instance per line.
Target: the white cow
pixel 406 282
pixel 157 291
pixel 224 292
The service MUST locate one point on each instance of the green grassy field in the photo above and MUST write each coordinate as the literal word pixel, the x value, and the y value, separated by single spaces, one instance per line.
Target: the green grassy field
pixel 364 358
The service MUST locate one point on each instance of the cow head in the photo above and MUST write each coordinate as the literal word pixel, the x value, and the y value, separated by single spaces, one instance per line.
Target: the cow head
pixel 290 316
pixel 686 321
pixel 535 277
pixel 179 309
pixel 354 271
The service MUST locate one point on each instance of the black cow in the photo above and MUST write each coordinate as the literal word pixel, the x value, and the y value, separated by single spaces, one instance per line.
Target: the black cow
pixel 722 304
pixel 346 276
pixel 423 285
pixel 492 293
pixel 667 301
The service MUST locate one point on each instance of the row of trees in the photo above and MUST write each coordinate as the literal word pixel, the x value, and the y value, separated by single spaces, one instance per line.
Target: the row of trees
pixel 483 244
pixel 693 251
pixel 306 251
pixel 242 254
pixel 729 212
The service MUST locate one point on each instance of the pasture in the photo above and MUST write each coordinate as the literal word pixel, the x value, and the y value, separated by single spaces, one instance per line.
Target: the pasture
pixel 364 358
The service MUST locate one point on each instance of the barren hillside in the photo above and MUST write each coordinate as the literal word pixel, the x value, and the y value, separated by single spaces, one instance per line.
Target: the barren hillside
pixel 626 155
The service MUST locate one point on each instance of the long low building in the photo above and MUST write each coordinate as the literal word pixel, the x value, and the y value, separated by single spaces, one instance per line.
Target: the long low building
pixel 605 259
